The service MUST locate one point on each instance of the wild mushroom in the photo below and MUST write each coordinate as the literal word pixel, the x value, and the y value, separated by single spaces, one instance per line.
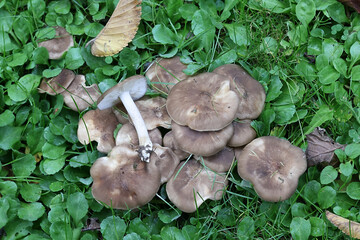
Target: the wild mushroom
pixel 219 162
pixel 127 91
pixel 58 45
pixel 273 166
pixel 78 96
pixel 243 133
pixel 165 73
pixel 170 142
pixel 251 92
pixel 58 84
pixel 201 143
pixel 192 184
pixel 98 125
pixel 203 102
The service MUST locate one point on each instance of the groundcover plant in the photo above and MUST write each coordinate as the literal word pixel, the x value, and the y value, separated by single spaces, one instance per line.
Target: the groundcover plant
pixel 305 53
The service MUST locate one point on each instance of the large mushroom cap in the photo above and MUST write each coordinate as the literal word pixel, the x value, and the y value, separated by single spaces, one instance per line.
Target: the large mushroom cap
pixel 251 92
pixel 98 125
pixel 201 143
pixel 57 84
pixel 135 85
pixel 58 45
pixel 203 102
pixel 165 73
pixel 273 166
pixel 191 185
pixel 78 96
pixel 170 142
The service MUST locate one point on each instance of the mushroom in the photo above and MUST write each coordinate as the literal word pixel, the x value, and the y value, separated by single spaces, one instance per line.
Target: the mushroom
pixel 220 162
pixel 243 133
pixel 203 102
pixel 273 166
pixel 127 91
pixel 78 96
pixel 98 125
pixel 166 162
pixel 251 92
pixel 58 45
pixel 170 142
pixel 165 73
pixel 201 143
pixel 192 184
pixel 58 84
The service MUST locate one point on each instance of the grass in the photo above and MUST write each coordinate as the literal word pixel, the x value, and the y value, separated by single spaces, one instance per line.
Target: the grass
pixel 306 59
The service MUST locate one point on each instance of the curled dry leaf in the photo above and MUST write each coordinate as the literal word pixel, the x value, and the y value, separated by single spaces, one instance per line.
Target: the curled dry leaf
pixel 321 148
pixel 348 227
pixel 119 30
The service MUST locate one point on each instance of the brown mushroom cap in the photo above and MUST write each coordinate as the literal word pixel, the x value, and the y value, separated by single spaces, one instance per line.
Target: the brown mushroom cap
pixel 78 96
pixel 273 166
pixel 220 162
pixel 154 112
pixel 203 102
pixel 201 143
pixel 191 180
pixel 123 181
pixel 98 125
pixel 251 92
pixel 165 73
pixel 58 45
pixel 57 84
pixel 243 133
pixel 165 160
pixel 170 142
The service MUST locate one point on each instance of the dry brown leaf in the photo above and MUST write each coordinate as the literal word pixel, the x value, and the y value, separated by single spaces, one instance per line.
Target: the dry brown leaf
pixel 321 148
pixel 119 30
pixel 355 4
pixel 348 227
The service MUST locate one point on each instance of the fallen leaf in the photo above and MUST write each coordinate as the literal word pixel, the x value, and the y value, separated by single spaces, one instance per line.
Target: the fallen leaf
pixel 91 224
pixel 321 148
pixel 348 227
pixel 119 30
pixel 355 4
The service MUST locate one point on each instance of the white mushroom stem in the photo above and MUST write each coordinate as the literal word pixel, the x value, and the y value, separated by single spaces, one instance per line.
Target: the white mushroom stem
pixel 145 144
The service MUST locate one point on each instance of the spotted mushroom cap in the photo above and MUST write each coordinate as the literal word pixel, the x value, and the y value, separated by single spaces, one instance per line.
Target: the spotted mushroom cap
pixel 201 143
pixel 192 184
pixel 203 102
pixel 58 45
pixel 250 92
pixel 273 166
pixel 164 73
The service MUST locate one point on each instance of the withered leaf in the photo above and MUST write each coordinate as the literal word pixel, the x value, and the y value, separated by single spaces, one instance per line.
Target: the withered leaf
pixel 348 227
pixel 321 148
pixel 91 224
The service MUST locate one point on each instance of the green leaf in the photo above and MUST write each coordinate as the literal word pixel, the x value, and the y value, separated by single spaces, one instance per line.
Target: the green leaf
pixel 225 58
pixel 40 55
pixel 31 211
pixel 163 34
pixel 30 192
pixel 8 188
pixel 311 190
pixel 326 197
pixel 274 89
pixel 337 12
pixel 246 228
pixel 17 229
pixel 6 118
pixel 300 228
pixel 353 150
pixel 187 11
pixel 70 133
pixel 305 11
pixel 93 29
pixel 190 232
pixel 322 115
pixel 167 216
pixel 203 28
pixel 113 227
pixel 172 8
pixel 132 236
pixel 52 166
pixel 9 136
pixel 21 90
pixel 229 5
pixel 328 175
pixel 238 33
pixel 318 226
pixel 62 6
pixel 346 169
pixel 137 226
pixel 353 190
pixel 171 233
pixel 4 207
pixel 284 113
pixel 355 73
pixel 36 7
pixel 340 66
pixel 24 165
pixel 328 75
pixel 226 217
pixel 299 210
pixel 73 59
pixel 77 206
pixel 60 231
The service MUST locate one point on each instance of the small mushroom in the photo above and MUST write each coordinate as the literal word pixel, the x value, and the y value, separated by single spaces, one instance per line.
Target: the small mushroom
pixel 243 133
pixel 78 96
pixel 203 102
pixel 98 125
pixel 127 91
pixel 170 142
pixel 58 45
pixel 201 143
pixel 220 162
pixel 58 84
pixel 166 162
pixel 273 166
pixel 192 184
pixel 251 92
pixel 165 73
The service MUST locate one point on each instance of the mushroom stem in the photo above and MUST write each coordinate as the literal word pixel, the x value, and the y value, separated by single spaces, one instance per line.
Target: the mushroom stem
pixel 145 144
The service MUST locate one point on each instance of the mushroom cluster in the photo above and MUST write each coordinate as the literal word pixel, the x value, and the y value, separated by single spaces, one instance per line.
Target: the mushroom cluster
pixel 205 123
